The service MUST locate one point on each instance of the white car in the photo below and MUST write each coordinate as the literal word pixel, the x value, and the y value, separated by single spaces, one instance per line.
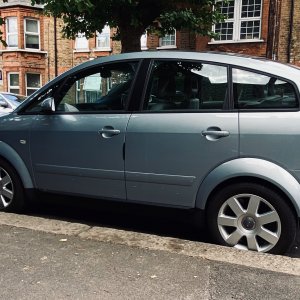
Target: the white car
pixel 9 101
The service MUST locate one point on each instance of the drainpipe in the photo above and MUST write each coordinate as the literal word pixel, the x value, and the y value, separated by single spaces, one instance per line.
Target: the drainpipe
pixel 290 37
pixel 55 48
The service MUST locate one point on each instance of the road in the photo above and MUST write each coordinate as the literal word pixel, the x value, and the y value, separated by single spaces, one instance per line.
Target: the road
pixel 67 248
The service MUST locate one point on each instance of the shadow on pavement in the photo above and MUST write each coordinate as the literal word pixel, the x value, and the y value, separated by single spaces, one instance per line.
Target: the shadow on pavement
pixel 177 223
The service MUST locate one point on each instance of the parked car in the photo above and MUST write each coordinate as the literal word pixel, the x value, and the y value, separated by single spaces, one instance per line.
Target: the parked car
pixel 9 101
pixel 215 133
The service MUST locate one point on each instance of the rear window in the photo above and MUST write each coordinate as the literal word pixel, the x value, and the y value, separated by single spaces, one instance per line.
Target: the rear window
pixel 256 91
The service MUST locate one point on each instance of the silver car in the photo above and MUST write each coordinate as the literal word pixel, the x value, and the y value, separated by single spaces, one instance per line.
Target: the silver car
pixel 9 101
pixel 215 133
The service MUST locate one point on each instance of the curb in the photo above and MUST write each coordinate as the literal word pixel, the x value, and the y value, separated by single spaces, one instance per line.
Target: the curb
pixel 269 262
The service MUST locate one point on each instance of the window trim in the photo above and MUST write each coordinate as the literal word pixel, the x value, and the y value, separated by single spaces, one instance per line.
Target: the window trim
pixel 32 88
pixel 11 33
pixel 32 33
pixel 237 20
pixel 12 86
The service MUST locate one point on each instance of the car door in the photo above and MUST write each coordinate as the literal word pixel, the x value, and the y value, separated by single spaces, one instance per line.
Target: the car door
pixel 182 132
pixel 78 147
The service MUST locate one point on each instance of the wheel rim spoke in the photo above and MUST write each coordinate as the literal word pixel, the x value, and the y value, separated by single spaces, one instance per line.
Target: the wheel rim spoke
pixel 5 180
pixel 268 218
pixel 267 235
pixel 227 221
pixel 234 237
pixel 253 205
pixel 7 193
pixel 252 242
pixel 236 207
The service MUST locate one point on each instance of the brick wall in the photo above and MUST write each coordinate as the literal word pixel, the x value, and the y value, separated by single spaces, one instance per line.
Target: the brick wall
pixel 284 33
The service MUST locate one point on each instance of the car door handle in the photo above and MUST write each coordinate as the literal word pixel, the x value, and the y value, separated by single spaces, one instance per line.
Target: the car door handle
pixel 216 133
pixel 108 131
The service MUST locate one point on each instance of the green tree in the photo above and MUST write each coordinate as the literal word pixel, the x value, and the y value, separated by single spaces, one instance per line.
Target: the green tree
pixel 132 18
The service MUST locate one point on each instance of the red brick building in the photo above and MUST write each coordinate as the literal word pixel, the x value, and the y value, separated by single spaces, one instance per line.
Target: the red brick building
pixel 36 51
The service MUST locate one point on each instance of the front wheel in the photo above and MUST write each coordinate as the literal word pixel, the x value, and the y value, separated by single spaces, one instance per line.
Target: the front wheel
pixel 11 188
pixel 251 217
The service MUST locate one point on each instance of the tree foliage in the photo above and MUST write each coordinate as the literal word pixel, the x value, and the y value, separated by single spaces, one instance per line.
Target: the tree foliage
pixel 132 18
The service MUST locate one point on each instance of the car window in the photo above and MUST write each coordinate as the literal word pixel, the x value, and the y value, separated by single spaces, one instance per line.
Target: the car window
pixel 185 85
pixel 256 91
pixel 104 88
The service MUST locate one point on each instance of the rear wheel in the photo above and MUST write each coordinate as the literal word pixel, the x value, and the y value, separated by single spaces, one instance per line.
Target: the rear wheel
pixel 11 188
pixel 251 217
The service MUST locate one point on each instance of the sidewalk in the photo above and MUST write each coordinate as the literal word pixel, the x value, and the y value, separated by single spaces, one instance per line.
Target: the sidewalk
pixel 38 265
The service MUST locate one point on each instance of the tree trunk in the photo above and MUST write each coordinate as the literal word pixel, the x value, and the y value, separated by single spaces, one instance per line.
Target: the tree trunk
pixel 131 38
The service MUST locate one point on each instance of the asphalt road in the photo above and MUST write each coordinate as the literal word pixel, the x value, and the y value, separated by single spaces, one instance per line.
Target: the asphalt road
pixel 139 218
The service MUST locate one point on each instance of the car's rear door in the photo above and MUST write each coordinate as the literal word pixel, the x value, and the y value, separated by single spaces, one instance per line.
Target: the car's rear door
pixel 183 131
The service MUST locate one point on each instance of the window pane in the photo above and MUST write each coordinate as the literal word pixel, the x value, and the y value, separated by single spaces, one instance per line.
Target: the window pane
pixel 32 41
pixel 14 79
pixel 15 91
pixel 103 91
pixel 224 31
pixel 31 26
pixel 168 40
pixel 181 85
pixel 81 41
pixel 255 91
pixel 250 30
pixel 12 25
pixel 33 80
pixel 227 9
pixel 103 38
pixel 251 8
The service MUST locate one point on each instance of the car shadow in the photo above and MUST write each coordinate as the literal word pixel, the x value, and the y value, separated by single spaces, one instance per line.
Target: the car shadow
pixel 161 221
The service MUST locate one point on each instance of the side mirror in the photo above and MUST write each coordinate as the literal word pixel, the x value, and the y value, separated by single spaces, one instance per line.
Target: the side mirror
pixel 3 104
pixel 48 105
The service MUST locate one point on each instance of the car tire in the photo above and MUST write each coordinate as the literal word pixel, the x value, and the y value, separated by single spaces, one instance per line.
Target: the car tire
pixel 250 216
pixel 11 189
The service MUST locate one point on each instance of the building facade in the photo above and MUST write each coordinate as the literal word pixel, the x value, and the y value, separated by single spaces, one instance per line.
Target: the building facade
pixel 36 51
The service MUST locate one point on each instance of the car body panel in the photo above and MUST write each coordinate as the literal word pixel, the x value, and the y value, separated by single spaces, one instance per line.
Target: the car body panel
pixel 167 156
pixel 254 168
pixel 75 158
pixel 14 145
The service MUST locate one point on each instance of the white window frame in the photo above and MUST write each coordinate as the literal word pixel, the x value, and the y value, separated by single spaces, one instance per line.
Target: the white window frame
pixel 161 42
pixel 32 88
pixel 105 33
pixel 32 33
pixel 9 86
pixel 81 40
pixel 237 21
pixel 144 41
pixel 8 34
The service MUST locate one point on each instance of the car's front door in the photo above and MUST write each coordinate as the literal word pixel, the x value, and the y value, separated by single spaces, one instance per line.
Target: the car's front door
pixel 78 148
pixel 182 133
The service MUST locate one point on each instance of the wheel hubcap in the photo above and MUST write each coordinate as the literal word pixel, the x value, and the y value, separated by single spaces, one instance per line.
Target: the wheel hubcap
pixel 249 222
pixel 6 189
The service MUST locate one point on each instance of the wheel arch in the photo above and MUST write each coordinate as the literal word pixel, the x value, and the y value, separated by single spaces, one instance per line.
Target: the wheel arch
pixel 8 154
pixel 250 170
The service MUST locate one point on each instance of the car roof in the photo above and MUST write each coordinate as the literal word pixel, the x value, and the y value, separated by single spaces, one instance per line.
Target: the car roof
pixel 256 63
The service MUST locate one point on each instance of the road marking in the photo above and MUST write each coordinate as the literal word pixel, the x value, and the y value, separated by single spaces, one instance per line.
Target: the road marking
pixel 275 263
